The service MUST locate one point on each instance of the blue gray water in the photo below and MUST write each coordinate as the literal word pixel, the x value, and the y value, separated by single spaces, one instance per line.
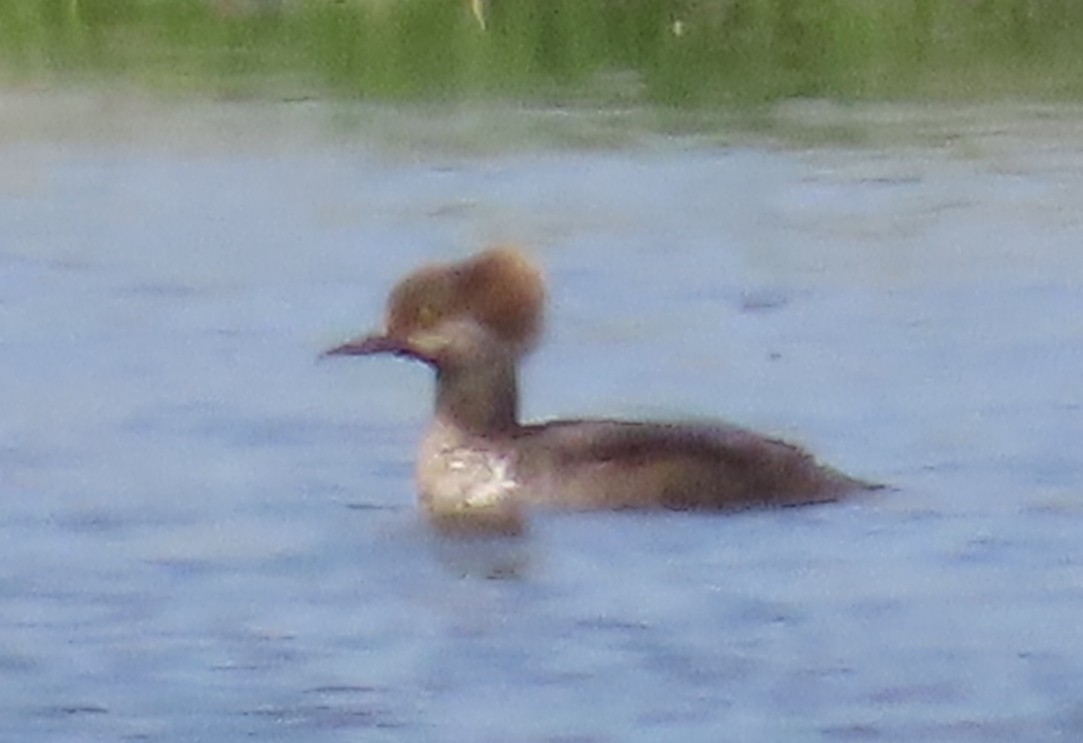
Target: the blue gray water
pixel 206 535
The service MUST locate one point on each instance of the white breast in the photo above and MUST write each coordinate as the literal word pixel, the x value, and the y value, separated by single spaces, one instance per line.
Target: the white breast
pixel 457 476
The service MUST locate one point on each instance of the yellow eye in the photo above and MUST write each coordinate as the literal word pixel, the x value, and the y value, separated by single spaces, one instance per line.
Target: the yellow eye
pixel 426 316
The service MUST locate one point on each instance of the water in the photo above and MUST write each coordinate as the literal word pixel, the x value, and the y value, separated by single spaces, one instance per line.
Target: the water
pixel 207 535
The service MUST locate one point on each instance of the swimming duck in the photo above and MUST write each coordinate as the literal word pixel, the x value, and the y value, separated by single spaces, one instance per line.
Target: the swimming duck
pixel 473 321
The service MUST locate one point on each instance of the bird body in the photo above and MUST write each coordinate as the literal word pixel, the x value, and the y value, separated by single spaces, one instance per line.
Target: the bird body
pixel 473 321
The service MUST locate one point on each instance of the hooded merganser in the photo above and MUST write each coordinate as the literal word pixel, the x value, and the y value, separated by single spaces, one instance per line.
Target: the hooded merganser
pixel 473 321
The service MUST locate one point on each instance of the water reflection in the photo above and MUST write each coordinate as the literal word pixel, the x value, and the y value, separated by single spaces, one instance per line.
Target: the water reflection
pixel 485 557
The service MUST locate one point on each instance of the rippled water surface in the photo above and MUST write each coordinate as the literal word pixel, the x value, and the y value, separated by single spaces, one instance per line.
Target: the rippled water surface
pixel 206 535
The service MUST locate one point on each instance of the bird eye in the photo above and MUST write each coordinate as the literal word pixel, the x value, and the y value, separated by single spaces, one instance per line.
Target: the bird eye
pixel 426 316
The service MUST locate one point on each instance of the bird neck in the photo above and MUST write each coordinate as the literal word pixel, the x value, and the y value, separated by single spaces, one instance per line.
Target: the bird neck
pixel 481 397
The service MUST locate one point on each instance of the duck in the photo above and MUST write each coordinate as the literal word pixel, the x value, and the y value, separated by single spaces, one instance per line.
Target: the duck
pixel 480 468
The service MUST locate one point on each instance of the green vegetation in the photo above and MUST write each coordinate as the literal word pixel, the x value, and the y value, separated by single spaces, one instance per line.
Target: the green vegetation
pixel 680 52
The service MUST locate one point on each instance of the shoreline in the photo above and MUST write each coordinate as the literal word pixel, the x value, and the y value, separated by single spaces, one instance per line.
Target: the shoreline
pixel 126 116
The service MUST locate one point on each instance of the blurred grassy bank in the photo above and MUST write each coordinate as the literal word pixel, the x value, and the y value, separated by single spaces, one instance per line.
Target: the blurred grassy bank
pixel 686 53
